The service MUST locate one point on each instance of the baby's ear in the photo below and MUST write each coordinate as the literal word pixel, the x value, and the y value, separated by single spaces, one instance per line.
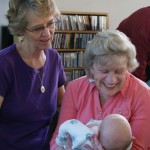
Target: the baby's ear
pixel 133 138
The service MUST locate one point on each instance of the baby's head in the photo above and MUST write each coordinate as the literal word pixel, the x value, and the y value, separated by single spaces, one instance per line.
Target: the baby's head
pixel 115 133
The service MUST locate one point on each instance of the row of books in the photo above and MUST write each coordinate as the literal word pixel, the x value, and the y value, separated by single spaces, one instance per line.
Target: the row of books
pixel 72 59
pixel 71 40
pixel 73 74
pixel 81 22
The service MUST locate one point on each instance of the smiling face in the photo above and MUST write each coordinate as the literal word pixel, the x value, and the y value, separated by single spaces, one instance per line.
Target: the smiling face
pixel 33 35
pixel 110 75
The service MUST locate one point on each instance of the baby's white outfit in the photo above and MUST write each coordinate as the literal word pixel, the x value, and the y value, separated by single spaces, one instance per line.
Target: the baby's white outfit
pixel 79 133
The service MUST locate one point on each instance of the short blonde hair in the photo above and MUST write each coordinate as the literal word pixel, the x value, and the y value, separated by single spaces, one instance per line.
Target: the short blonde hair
pixel 16 14
pixel 107 44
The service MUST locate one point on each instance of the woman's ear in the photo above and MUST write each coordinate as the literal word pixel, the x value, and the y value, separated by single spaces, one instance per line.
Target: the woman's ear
pixel 91 70
pixel 133 138
pixel 21 37
pixel 21 33
pixel 91 80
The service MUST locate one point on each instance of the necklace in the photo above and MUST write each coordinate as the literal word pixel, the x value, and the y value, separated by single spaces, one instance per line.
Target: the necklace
pixel 42 88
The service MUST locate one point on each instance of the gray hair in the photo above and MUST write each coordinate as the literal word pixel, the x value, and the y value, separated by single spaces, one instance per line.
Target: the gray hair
pixel 16 14
pixel 106 44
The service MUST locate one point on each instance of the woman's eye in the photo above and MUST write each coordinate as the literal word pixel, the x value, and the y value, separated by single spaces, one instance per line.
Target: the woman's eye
pixel 38 29
pixel 119 71
pixel 103 71
pixel 50 24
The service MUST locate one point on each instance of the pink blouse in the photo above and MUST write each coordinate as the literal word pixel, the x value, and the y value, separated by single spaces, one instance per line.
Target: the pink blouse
pixel 81 101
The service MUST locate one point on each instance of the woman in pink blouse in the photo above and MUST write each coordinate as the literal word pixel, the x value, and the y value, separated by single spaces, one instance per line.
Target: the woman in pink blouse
pixel 109 88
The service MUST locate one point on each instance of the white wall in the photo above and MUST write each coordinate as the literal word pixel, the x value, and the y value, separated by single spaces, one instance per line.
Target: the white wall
pixel 117 9
pixel 3 9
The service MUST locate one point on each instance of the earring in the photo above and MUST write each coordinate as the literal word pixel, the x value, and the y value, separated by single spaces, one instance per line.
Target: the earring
pixel 21 37
pixel 91 80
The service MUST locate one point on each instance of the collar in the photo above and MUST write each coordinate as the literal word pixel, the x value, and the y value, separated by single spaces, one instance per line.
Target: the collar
pixel 126 85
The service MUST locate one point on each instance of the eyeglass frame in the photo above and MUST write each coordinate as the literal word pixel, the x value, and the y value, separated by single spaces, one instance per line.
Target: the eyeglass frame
pixel 40 29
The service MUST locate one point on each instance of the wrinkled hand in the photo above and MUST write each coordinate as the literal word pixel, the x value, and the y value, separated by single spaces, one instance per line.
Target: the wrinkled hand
pixel 59 148
pixel 68 144
pixel 95 144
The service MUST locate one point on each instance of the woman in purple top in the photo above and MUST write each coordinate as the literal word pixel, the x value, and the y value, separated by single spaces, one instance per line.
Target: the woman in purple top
pixel 31 76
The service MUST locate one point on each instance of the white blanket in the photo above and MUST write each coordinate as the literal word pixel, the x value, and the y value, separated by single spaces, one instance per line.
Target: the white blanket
pixel 79 132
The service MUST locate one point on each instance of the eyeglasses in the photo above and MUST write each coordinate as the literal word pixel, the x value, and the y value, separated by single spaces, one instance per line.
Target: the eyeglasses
pixel 39 29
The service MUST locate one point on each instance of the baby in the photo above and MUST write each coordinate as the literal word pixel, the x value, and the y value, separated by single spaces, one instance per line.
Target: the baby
pixel 114 132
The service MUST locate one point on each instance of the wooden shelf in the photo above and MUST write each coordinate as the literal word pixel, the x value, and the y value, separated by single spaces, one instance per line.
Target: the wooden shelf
pixel 69 50
pixel 72 34
pixel 74 68
pixel 76 31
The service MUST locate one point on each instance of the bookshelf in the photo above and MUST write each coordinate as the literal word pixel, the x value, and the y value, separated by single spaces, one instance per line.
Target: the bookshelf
pixel 72 34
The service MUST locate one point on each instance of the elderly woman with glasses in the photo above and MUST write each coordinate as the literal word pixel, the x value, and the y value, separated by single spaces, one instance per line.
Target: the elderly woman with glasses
pixel 31 76
pixel 108 88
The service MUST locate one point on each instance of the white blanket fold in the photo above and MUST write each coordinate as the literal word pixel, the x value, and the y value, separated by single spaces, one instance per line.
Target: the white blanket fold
pixel 79 133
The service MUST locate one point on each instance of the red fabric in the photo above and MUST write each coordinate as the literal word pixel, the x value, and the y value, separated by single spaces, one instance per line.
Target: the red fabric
pixel 137 28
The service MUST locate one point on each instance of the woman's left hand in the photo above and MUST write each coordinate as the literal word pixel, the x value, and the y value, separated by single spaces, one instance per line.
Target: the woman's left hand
pixel 69 143
pixel 95 144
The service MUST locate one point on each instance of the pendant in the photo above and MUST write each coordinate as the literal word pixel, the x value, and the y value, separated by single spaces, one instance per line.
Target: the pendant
pixel 42 89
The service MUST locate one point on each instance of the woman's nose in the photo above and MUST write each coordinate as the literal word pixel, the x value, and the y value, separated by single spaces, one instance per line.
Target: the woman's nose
pixel 46 31
pixel 111 78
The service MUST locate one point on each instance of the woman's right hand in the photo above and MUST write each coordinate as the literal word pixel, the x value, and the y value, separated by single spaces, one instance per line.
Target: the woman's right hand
pixel 59 148
pixel 95 144
pixel 68 144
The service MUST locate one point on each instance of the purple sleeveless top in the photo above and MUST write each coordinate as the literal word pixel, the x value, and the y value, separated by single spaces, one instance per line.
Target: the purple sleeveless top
pixel 26 112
